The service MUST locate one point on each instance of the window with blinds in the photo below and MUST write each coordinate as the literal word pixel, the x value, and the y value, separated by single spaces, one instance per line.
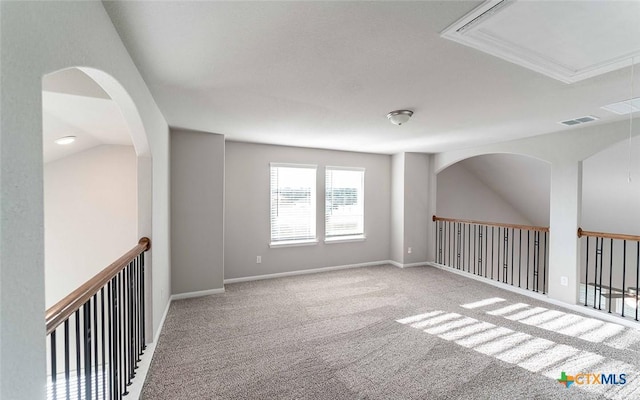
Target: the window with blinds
pixel 293 203
pixel 344 202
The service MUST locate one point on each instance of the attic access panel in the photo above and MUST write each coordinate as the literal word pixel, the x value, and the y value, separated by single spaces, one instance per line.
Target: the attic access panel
pixel 566 40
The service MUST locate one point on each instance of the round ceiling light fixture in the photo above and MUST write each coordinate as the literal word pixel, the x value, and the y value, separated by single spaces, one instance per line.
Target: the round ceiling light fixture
pixel 399 117
pixel 65 140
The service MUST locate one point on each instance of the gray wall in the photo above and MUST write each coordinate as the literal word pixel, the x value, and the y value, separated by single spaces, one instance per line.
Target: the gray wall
pixel 197 211
pixel 247 217
pixel 410 202
pixel 397 208
pixel 416 207
pixel 29 33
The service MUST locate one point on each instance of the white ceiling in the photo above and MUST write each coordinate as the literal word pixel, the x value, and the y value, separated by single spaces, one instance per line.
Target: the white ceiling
pixel 74 105
pixel 569 41
pixel 325 74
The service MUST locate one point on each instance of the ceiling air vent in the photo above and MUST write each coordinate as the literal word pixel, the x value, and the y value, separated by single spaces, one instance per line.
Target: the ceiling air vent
pixel 581 120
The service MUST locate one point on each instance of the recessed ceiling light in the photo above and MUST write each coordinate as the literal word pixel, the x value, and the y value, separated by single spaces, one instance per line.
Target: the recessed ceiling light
pixel 66 140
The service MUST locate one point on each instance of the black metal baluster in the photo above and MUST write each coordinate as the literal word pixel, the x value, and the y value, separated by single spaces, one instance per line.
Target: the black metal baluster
pixel 86 309
pixel 457 245
pixel 498 264
pixel 450 247
pixel 446 242
pixel 136 304
pixel 544 266
pixel 520 258
pixel 95 344
pixel 122 340
pixel 512 253
pixel 102 344
pixel 127 325
pixel 113 377
pixel 117 338
pixel 528 255
pixel 536 260
pixel 598 251
pixel 78 364
pixel 601 268
pixel 492 246
pixel 437 236
pixel 480 256
pixel 66 358
pixel 505 262
pixel 586 274
pixel 461 245
pixel 486 249
pixel 54 366
pixel 475 247
pixel 440 245
pixel 624 272
pixel 130 322
pixel 470 260
pixel 610 275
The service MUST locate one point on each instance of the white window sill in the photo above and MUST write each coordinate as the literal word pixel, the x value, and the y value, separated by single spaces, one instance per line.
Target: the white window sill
pixel 345 239
pixel 294 243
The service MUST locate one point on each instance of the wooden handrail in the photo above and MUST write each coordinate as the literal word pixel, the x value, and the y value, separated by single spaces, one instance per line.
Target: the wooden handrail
pixel 498 224
pixel 63 309
pixel 605 235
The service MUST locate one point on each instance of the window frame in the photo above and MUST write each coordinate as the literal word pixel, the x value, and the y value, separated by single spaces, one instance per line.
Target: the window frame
pixel 307 241
pixel 355 237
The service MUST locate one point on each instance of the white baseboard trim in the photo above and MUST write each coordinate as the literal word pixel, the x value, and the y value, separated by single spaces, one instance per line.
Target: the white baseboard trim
pixel 515 289
pixel 164 316
pixel 305 271
pixel 135 390
pixel 617 319
pixel 400 265
pixel 395 263
pixel 200 293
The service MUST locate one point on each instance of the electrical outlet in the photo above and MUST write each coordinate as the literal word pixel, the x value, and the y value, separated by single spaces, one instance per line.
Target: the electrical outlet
pixel 259 260
pixel 564 281
pixel 409 250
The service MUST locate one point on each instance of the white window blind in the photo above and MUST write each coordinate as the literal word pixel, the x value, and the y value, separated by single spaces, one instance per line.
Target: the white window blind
pixel 293 202
pixel 344 202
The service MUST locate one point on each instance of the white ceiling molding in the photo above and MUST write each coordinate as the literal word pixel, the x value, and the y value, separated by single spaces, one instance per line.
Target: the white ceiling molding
pixel 568 41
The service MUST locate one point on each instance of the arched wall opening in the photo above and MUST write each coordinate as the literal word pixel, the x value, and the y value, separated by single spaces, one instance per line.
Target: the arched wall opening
pixel 505 188
pixel 498 189
pixel 97 190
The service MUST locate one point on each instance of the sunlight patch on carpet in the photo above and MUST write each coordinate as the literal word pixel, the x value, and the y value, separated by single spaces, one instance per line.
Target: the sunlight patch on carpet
pixel 532 353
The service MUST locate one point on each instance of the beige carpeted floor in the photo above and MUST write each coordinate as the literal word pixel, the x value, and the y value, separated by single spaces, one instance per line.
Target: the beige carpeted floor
pixel 383 333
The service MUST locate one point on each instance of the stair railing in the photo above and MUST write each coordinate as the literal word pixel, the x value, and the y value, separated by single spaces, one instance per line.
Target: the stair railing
pixel 509 253
pixel 102 330
pixel 610 272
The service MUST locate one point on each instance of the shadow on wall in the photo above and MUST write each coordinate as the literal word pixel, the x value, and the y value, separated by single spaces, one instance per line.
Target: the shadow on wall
pixel 503 188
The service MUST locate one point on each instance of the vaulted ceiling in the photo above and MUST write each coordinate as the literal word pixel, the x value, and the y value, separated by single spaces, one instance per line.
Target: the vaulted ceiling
pixel 325 74
pixel 75 105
